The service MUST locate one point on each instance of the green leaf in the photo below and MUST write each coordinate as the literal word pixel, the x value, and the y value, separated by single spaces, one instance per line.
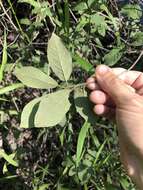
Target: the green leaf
pixel 91 3
pixel 43 187
pixel 62 136
pixel 84 173
pixel 111 187
pixel 28 113
pixel 83 106
pixel 137 39
pixel 99 152
pixel 61 187
pixel 80 142
pixel 12 87
pixel 52 109
pixel 125 183
pixel 81 7
pixel 25 21
pixel 35 78
pixel 113 56
pixel 84 64
pixel 5 169
pixel 8 158
pixel 4 57
pixel 100 24
pixel 113 20
pixel 66 17
pixel 133 11
pixel 59 58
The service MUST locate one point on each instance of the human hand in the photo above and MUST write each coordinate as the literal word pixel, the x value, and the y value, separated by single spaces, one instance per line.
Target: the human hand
pixel 118 94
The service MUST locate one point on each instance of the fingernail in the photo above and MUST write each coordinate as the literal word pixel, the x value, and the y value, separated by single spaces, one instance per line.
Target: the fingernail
pixel 102 69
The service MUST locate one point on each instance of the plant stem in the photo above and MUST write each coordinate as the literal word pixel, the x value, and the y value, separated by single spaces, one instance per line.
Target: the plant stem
pixel 137 60
pixel 85 187
pixel 133 65
pixel 19 26
pixel 74 86
pixel 5 12
pixel 85 84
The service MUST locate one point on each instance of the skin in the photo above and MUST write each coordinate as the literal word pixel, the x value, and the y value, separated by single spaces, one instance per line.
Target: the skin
pixel 118 94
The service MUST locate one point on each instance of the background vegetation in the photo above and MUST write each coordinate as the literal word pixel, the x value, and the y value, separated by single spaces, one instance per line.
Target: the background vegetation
pixel 49 137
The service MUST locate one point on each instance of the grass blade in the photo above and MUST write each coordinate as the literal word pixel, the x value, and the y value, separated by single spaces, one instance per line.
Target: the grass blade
pixel 99 152
pixel 80 142
pixel 10 88
pixel 4 57
pixel 8 158
pixel 67 17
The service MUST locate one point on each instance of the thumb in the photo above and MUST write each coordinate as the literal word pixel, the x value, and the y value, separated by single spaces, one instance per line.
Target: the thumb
pixel 112 85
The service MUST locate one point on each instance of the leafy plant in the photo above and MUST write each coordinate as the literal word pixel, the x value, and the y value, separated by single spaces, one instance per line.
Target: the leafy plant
pixel 41 110
pixel 52 47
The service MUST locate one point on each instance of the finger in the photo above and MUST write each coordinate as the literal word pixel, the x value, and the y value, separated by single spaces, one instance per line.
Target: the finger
pixel 132 78
pixel 140 91
pixel 104 111
pixel 138 83
pixel 100 97
pixel 118 90
pixel 129 77
pixel 91 84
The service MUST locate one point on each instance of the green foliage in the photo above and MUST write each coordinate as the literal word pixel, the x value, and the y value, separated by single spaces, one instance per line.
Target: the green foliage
pixel 59 58
pixel 84 64
pixel 80 142
pixel 12 87
pixel 52 109
pixel 133 11
pixel 137 39
pixel 113 56
pixel 83 106
pixel 99 23
pixel 4 57
pixel 28 114
pixel 8 158
pixel 56 46
pixel 35 78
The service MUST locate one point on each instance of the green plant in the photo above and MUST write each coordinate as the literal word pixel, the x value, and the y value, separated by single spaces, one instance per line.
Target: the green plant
pixel 41 111
pixel 64 145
